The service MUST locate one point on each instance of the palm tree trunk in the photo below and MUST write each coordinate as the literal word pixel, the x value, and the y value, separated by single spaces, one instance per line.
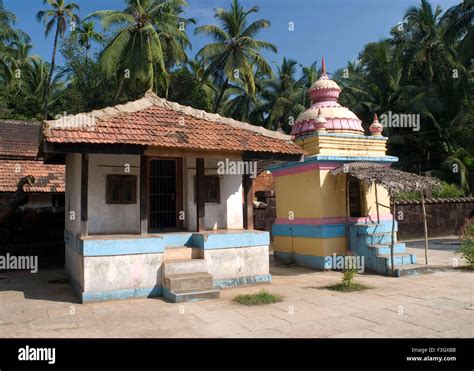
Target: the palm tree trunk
pixel 119 90
pixel 51 70
pixel 221 95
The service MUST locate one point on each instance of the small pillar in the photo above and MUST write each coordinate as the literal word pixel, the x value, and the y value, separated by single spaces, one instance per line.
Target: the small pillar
pixel 247 183
pixel 200 196
pixel 84 194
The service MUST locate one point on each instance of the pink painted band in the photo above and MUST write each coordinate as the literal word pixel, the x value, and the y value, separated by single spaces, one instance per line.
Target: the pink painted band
pixel 334 220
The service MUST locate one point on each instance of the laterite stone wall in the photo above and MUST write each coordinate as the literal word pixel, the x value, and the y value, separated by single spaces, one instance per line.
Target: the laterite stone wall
pixel 447 217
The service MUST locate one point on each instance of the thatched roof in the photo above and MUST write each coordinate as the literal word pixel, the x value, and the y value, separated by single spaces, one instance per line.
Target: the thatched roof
pixel 395 181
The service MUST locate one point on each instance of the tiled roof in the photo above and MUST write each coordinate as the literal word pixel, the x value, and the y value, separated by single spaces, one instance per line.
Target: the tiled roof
pixel 19 142
pixel 152 121
pixel 19 139
pixel 48 178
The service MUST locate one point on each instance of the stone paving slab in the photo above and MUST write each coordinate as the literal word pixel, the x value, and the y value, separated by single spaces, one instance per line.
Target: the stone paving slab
pixel 438 304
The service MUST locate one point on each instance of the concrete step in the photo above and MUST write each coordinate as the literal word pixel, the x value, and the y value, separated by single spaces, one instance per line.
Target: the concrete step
pixel 375 238
pixel 384 248
pixel 399 259
pixel 369 228
pixel 188 281
pixel 180 266
pixel 191 295
pixel 410 270
pixel 180 253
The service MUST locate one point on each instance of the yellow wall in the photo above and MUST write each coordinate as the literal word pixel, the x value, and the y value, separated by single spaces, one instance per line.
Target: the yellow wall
pixel 310 246
pixel 299 194
pixel 333 195
pixel 370 206
pixel 318 194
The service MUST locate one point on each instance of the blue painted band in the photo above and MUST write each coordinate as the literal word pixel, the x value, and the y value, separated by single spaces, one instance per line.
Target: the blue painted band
pixel 139 292
pixel 122 246
pixel 326 158
pixel 212 241
pixel 231 282
pixel 311 231
pixel 156 244
pixel 308 261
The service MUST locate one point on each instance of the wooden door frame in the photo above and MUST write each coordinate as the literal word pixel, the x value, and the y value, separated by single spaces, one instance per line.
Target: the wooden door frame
pixel 362 198
pixel 179 191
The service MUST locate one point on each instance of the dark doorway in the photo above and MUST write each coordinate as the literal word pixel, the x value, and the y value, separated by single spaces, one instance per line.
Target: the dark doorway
pixel 355 199
pixel 165 194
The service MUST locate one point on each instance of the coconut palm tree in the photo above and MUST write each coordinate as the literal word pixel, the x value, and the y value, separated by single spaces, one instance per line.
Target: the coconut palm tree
pixel 86 34
pixel 11 41
pixel 59 16
pixel 150 38
pixel 309 74
pixel 458 21
pixel 413 72
pixel 36 76
pixel 425 47
pixel 243 106
pixel 25 93
pixel 209 84
pixel 235 50
pixel 282 97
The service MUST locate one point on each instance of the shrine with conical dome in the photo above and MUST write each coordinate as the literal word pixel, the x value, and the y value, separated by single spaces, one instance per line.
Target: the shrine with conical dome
pixel 318 211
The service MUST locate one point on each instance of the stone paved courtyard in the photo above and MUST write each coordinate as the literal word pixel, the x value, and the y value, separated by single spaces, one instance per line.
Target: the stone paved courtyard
pixel 438 304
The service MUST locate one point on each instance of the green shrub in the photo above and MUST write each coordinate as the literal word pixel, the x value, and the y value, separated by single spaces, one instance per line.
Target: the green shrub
pixel 348 284
pixel 409 196
pixel 467 242
pixel 348 276
pixel 447 191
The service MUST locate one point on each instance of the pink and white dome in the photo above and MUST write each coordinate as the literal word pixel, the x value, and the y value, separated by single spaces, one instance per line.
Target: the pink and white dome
pixel 324 94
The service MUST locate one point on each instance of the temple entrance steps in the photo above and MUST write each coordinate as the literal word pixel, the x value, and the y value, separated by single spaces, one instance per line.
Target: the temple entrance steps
pixel 373 241
pixel 186 278
pixel 181 252
pixel 179 266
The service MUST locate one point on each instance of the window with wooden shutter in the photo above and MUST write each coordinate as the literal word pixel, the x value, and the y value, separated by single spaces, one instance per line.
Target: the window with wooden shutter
pixel 121 189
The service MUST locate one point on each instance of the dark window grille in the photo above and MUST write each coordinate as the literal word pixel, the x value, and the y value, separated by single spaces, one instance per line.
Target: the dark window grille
pixel 163 194
pixel 355 204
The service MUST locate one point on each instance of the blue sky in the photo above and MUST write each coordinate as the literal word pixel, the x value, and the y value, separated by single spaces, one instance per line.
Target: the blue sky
pixel 337 29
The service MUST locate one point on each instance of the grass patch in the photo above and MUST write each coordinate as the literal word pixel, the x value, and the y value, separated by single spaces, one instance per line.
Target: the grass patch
pixel 341 287
pixel 261 297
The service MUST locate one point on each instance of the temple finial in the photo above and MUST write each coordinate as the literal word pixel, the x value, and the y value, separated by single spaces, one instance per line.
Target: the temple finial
pixel 376 127
pixel 323 67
